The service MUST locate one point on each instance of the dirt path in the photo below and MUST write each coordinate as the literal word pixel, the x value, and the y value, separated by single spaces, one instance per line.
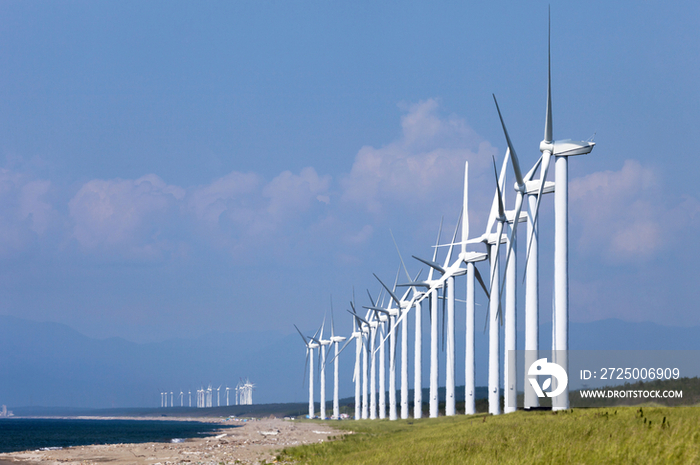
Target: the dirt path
pixel 254 442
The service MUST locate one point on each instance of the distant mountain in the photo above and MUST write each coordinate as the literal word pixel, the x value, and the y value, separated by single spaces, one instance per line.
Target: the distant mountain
pixel 52 365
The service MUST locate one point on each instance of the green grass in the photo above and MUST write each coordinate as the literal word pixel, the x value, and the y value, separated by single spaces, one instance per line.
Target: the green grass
pixel 629 435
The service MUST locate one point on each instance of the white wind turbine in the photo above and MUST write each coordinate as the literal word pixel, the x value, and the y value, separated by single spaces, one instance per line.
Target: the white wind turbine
pixel 418 343
pixel 373 323
pixel 189 393
pixel 310 346
pixel 322 364
pixel 335 340
pixel 360 375
pixel 432 287
pixel 521 187
pixel 417 354
pixel 492 241
pixel 227 391
pixel 561 150
pixel 382 315
pixel 396 315
pixel 446 282
pixel 218 399
pixel 182 398
pixel 470 258
pixel 171 399
pixel 357 337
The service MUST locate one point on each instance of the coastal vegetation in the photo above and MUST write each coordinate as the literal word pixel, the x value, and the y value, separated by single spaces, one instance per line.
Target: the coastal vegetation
pixel 634 434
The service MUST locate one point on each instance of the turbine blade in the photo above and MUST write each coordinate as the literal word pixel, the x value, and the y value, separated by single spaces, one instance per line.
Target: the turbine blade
pixel 501 209
pixel 548 117
pixel 431 264
pixel 348 341
pixel 400 257
pixel 393 296
pixel 444 301
pixel 452 244
pixel 481 281
pixel 465 208
pixel 437 241
pixel 513 156
pixel 306 367
pixel 359 318
pixel 546 158
pixel 370 298
pixel 499 233
pixel 377 309
pixel 302 336
pixel 513 236
pixel 332 320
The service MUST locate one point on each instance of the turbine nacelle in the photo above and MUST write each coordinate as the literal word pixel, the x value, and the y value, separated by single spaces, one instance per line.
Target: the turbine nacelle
pixel 567 147
pixel 469 257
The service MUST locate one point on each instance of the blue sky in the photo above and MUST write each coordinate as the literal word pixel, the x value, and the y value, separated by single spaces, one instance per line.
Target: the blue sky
pixel 174 168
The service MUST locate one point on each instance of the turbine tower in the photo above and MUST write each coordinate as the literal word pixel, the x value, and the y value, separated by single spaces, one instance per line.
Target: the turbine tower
pixel 470 258
pixel 335 340
pixel 322 365
pixel 561 150
pixel 310 346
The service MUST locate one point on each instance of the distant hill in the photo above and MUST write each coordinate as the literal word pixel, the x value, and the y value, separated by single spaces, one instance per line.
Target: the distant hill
pixel 51 365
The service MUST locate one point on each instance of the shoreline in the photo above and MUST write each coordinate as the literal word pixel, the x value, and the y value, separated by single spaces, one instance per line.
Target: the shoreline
pixel 253 441
pixel 117 417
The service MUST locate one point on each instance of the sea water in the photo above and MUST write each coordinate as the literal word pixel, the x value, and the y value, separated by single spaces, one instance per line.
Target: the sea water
pixel 18 434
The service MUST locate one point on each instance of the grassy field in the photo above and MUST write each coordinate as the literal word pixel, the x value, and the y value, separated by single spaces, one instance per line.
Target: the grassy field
pixel 629 435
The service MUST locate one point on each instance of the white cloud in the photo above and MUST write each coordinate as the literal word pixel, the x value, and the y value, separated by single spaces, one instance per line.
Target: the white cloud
pixel 361 236
pixel 32 207
pixel 230 193
pixel 625 214
pixel 290 193
pixel 25 213
pixel 123 214
pixel 424 164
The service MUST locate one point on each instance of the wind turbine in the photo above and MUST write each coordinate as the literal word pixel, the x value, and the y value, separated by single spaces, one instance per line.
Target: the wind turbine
pixel 418 343
pixel 470 258
pixel 447 283
pixel 373 323
pixel 431 285
pixel 182 398
pixel 510 372
pixel 383 317
pixel 335 340
pixel 561 150
pixel 189 393
pixel 417 354
pixel 310 346
pixel 357 335
pixel 322 364
pixel 395 317
pixel 360 375
pixel 492 241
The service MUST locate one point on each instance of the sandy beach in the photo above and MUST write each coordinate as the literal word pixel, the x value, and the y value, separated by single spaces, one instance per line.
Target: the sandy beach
pixel 255 441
